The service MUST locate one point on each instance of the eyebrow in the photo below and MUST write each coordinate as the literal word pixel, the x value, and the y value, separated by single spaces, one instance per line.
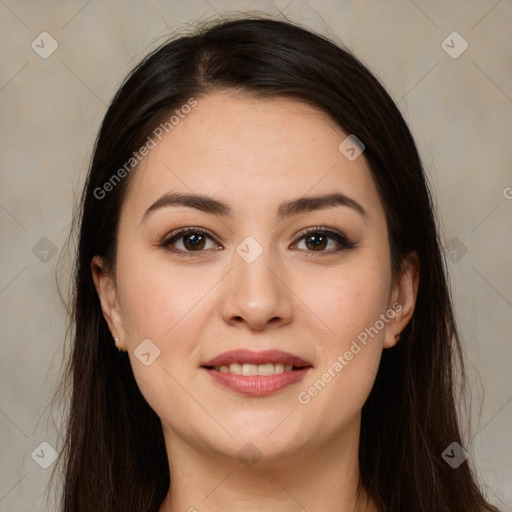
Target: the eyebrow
pixel 212 206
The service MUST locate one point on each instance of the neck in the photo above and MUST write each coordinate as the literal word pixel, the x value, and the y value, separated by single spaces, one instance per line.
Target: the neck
pixel 321 478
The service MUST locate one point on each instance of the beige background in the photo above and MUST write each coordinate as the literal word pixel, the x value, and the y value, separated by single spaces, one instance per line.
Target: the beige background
pixel 459 110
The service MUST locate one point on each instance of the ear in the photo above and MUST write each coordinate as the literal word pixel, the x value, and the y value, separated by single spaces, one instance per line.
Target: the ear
pixel 403 298
pixel 106 290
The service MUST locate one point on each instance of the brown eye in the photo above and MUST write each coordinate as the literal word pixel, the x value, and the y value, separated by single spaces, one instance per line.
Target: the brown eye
pixel 319 239
pixel 194 241
pixel 189 242
pixel 316 241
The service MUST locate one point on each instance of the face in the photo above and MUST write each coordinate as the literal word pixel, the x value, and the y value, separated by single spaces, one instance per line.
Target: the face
pixel 254 269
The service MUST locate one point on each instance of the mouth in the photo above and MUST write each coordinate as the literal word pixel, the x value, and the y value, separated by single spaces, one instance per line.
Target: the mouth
pixel 256 373
pixel 250 370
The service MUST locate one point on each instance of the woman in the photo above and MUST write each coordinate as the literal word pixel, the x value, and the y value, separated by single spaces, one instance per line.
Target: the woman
pixel 262 319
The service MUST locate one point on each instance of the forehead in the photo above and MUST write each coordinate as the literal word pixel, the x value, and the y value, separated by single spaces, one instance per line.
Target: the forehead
pixel 248 151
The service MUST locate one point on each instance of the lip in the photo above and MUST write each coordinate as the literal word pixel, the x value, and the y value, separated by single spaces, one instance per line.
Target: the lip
pixel 242 356
pixel 257 385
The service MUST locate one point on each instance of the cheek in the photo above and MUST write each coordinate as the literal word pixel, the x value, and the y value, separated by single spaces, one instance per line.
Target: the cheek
pixel 347 298
pixel 350 301
pixel 162 305
pixel 156 299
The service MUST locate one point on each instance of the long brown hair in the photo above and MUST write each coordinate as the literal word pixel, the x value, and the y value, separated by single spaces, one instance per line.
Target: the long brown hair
pixel 114 457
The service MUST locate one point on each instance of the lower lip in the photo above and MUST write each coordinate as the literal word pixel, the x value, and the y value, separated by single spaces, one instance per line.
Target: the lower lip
pixel 258 385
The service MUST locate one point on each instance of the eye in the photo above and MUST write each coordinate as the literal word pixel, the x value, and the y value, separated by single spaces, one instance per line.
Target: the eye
pixel 193 241
pixel 318 239
pixel 189 241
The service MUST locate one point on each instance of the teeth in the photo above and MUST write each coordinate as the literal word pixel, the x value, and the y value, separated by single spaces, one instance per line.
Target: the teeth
pixel 235 369
pixel 255 369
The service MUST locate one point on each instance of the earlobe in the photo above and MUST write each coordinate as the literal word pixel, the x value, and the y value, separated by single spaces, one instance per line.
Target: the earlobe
pixel 403 299
pixel 106 290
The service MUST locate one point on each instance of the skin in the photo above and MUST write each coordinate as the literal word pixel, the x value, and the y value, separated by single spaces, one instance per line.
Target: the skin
pixel 254 154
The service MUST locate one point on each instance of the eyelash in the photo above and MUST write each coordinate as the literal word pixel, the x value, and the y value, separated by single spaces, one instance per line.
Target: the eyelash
pixel 340 238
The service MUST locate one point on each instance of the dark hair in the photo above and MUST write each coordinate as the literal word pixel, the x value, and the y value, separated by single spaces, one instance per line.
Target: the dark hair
pixel 114 454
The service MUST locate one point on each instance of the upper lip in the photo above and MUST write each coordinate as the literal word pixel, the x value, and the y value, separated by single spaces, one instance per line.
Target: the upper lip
pixel 249 357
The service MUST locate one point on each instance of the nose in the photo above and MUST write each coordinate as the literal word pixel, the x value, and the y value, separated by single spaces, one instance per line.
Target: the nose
pixel 256 294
